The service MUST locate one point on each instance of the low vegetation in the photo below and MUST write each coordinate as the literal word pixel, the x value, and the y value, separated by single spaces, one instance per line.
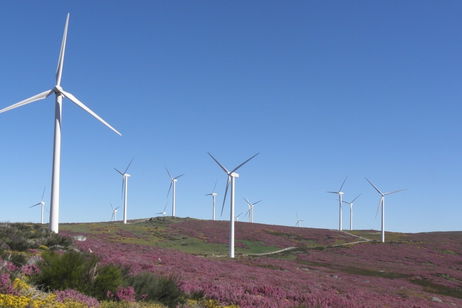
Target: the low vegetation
pixel 173 262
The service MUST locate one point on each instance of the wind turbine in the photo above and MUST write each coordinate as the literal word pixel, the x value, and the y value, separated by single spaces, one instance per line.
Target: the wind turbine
pixel 232 175
pixel 382 204
pixel 299 221
pixel 173 181
pixel 214 195
pixel 251 206
pixel 114 213
pixel 59 94
pixel 237 217
pixel 340 194
pixel 125 177
pixel 42 206
pixel 164 212
pixel 351 210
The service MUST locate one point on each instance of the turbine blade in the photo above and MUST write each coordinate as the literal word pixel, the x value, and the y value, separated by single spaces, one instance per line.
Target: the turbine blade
pixel 169 175
pixel 394 192
pixel 378 190
pixel 169 188
pixel 35 204
pixel 343 183
pixel 245 162
pixel 221 166
pixel 129 164
pixel 224 197
pixel 91 112
pixel 29 100
pixel 43 193
pixel 59 69
pixel 165 206
pixel 255 203
pixel 355 198
pixel 346 202
pixel 333 192
pixel 247 201
pixel 377 211
pixel 118 171
pixel 123 184
pixel 177 177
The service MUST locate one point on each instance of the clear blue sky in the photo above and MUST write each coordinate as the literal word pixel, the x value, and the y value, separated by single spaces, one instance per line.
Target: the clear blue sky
pixel 322 89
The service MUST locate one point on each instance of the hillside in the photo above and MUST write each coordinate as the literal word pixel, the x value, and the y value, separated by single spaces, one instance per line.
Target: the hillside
pixel 321 268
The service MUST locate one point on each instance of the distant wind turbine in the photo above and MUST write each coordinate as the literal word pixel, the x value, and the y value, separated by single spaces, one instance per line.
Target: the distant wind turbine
pixel 173 181
pixel 214 195
pixel 340 194
pixel 351 210
pixel 42 206
pixel 59 93
pixel 164 212
pixel 114 213
pixel 382 205
pixel 299 221
pixel 237 217
pixel 125 175
pixel 232 175
pixel 250 206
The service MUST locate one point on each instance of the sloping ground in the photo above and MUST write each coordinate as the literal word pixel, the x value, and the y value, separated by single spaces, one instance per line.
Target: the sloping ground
pixel 412 270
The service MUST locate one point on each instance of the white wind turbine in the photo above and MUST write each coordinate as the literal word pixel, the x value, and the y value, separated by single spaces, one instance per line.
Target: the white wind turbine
pixel 42 206
pixel 114 213
pixel 382 204
pixel 232 175
pixel 351 210
pixel 340 194
pixel 59 94
pixel 299 221
pixel 250 206
pixel 237 217
pixel 164 211
pixel 125 177
pixel 173 181
pixel 214 195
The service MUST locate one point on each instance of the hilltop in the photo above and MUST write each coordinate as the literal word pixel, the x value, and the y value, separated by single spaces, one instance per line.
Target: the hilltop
pixel 278 266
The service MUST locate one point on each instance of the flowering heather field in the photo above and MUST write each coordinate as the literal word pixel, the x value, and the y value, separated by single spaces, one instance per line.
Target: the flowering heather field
pixel 412 270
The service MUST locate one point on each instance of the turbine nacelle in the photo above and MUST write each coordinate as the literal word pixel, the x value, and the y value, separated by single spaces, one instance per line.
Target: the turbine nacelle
pixel 234 175
pixel 58 90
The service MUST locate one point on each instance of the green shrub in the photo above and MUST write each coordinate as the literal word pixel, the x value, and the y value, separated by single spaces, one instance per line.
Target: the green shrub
pixel 108 278
pixel 78 271
pixel 150 287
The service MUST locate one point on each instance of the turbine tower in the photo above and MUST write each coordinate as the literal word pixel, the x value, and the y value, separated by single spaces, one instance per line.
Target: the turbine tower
pixel 340 194
pixel 351 210
pixel 232 175
pixel 59 94
pixel 42 206
pixel 125 177
pixel 114 213
pixel 173 181
pixel 250 208
pixel 382 205
pixel 214 195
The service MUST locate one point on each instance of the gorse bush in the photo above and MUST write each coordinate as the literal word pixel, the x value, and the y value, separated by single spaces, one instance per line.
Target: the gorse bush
pixel 78 271
pixel 150 287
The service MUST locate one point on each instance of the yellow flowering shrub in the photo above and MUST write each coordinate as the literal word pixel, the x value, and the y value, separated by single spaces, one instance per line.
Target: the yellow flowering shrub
pixel 19 301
